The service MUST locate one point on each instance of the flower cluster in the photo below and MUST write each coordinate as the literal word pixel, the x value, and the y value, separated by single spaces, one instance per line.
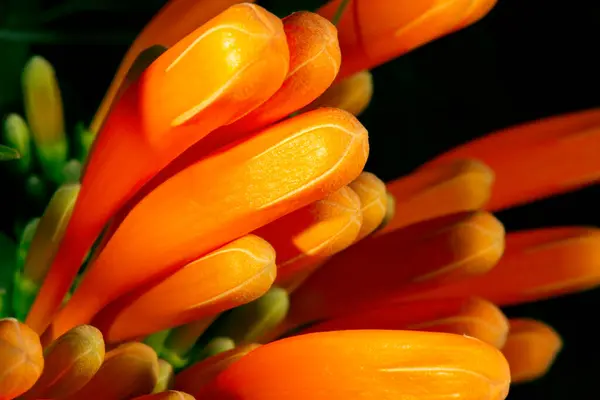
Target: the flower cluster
pixel 222 240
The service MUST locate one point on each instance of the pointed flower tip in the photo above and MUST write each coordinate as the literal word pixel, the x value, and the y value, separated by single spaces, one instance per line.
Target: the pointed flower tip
pixel 249 323
pixel 22 358
pixel 464 184
pixel 49 232
pixel 166 376
pixel 70 363
pixel 43 103
pixel 353 94
pixel 530 349
pixel 129 370
pixel 373 198
pixel 17 136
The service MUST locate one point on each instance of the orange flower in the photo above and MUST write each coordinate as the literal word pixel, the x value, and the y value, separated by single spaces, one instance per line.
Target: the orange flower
pixel 248 62
pixel 213 192
pixel 464 316
pixel 375 31
pixel 177 19
pixel 253 187
pixel 371 364
pixel 422 256
pixel 530 349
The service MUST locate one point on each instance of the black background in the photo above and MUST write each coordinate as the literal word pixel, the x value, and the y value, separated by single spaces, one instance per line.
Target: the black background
pixel 526 60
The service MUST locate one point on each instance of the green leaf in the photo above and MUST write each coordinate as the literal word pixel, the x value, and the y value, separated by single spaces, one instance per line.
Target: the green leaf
pixel 8 153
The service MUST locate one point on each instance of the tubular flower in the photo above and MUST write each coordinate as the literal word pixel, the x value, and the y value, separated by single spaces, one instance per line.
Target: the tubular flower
pixel 225 226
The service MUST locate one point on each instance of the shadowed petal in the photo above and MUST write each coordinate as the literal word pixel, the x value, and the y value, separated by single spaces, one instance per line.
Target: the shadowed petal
pixel 308 236
pixel 537 264
pixel 352 94
pixel 71 362
pixel 169 395
pixel 538 159
pixel 408 260
pixel 373 198
pixel 464 185
pixel 194 378
pixel 530 349
pixel 473 317
pixel 372 32
pixel 129 370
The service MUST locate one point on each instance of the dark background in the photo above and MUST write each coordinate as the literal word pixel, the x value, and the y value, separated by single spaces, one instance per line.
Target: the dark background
pixel 526 60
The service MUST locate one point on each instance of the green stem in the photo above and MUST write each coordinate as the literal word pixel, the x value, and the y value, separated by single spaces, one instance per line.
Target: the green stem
pixel 340 12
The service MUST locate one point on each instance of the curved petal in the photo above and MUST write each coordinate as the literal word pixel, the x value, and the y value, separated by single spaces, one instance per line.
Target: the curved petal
pixel 538 159
pixel 464 185
pixel 308 236
pixel 232 275
pixel 375 31
pixel 537 264
pixel 530 349
pixel 168 109
pixel 366 365
pixel 70 363
pixel 129 370
pixel 22 358
pixel 407 260
pixel 174 21
pixel 472 317
pixel 284 168
pixel 194 378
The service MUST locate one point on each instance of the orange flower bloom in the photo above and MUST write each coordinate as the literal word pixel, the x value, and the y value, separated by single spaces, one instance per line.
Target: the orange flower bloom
pixel 249 61
pixel 530 349
pixel 212 190
pixel 393 364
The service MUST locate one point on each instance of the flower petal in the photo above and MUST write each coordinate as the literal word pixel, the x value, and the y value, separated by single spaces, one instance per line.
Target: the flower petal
pixel 248 323
pixel 228 277
pixel 129 370
pixel 373 32
pixel 168 109
pixel 530 349
pixel 22 358
pixel 352 94
pixel 43 247
pixel 404 261
pixel 284 168
pixel 366 365
pixel 537 159
pixel 464 185
pixel 166 376
pixel 174 21
pixel 168 395
pixel 70 363
pixel 537 264
pixel 194 378
pixel 473 317
pixel 314 63
pixel 373 198
pixel 308 236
